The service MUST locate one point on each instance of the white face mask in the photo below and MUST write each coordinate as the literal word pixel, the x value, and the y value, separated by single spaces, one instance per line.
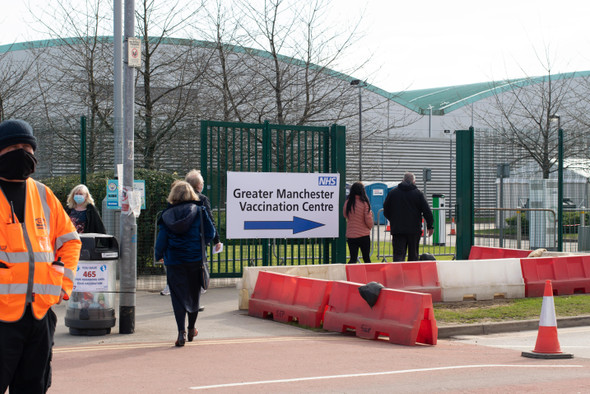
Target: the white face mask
pixel 79 199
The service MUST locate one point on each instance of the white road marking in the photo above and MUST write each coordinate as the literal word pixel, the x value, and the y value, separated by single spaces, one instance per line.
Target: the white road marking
pixel 260 382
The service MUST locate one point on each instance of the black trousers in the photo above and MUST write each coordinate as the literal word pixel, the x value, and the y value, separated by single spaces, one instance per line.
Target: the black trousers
pixel 184 281
pixel 25 353
pixel 403 242
pixel 364 243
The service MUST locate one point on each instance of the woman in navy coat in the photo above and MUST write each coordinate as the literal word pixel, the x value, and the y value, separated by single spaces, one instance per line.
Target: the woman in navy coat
pixel 179 244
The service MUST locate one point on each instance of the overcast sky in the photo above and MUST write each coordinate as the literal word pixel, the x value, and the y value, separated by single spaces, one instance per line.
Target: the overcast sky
pixel 423 44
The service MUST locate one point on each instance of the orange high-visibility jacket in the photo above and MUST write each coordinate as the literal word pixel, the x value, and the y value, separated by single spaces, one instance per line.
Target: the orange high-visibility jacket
pixel 28 250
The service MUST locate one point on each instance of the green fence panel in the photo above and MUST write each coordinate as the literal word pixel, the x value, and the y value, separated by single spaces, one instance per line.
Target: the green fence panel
pixel 465 182
pixel 228 146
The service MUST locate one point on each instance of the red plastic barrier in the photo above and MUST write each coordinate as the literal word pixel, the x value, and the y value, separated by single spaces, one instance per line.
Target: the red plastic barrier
pixel 568 275
pixel 405 317
pixel 486 253
pixel 290 298
pixel 420 276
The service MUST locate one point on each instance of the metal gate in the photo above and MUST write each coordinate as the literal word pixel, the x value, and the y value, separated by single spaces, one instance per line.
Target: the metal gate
pixel 266 147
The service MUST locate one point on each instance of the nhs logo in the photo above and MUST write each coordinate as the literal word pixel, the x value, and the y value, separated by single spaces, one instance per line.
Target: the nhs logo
pixel 327 181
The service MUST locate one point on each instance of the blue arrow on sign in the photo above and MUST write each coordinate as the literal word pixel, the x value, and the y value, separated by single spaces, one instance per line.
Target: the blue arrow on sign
pixel 298 225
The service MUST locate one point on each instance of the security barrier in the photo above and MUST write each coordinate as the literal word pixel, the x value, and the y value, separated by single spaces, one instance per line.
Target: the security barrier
pixel 250 275
pixel 405 317
pixel 290 298
pixel 484 252
pixel 569 275
pixel 420 276
pixel 481 279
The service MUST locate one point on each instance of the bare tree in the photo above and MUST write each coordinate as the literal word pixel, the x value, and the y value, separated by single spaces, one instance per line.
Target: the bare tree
pixel 521 115
pixel 577 117
pixel 75 77
pixel 16 77
pixel 167 81
pixel 294 73
pixel 226 80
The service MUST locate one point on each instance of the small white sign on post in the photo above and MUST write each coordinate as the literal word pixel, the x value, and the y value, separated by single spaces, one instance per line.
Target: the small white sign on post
pixel 282 205
pixel 133 52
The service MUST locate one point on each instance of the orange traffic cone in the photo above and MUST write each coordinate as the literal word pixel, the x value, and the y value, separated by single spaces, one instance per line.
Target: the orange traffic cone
pixel 388 228
pixel 452 226
pixel 547 345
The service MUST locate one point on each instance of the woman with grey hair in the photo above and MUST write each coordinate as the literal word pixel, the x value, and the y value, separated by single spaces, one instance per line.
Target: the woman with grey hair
pixel 82 212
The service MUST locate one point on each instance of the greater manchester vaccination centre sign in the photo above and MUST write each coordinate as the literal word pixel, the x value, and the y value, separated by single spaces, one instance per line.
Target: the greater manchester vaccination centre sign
pixel 282 205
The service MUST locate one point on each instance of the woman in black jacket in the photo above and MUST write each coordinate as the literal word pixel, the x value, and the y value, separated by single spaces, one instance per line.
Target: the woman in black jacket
pixel 81 209
pixel 179 245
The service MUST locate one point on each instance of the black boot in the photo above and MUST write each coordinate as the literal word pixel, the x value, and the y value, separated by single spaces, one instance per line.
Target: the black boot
pixel 181 338
pixel 192 332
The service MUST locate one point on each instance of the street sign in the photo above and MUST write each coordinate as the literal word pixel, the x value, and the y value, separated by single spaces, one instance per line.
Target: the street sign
pixel 282 205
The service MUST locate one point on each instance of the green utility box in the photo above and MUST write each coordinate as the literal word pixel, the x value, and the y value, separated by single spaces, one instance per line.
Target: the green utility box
pixel 440 225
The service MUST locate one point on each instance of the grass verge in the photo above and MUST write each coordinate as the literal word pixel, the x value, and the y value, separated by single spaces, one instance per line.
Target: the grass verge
pixel 469 312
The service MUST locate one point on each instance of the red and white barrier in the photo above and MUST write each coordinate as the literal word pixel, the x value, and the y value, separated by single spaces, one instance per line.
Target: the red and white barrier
pixel 420 276
pixel 288 298
pixel 405 317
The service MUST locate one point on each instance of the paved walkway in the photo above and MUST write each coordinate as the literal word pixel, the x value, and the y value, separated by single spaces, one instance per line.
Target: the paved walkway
pixel 154 322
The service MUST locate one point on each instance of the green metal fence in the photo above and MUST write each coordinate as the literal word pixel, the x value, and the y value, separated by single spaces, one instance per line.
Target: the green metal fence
pixel 502 200
pixel 245 147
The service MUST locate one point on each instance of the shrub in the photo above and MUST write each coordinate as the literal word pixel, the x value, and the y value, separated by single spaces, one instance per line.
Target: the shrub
pixel 524 223
pixel 157 187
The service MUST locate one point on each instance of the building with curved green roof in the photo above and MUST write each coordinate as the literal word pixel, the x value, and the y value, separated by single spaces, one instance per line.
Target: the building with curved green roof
pixel 402 131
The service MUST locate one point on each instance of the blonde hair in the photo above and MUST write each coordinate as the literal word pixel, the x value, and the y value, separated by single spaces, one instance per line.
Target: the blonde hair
pixel 181 191
pixel 79 188
pixel 195 179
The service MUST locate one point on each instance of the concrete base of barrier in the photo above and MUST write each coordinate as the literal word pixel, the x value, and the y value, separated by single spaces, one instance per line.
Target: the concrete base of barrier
pixel 481 279
pixel 324 271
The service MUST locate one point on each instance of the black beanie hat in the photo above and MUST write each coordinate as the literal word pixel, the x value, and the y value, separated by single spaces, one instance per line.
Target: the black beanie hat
pixel 16 131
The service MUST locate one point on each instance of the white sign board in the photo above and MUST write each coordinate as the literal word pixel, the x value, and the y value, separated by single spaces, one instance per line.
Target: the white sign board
pixel 133 52
pixel 91 277
pixel 282 205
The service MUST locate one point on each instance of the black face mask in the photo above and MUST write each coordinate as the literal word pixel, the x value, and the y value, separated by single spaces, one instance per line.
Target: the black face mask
pixel 17 164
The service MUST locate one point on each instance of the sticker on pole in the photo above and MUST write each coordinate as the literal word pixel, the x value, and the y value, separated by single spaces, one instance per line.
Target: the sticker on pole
pixel 91 277
pixel 282 205
pixel 133 52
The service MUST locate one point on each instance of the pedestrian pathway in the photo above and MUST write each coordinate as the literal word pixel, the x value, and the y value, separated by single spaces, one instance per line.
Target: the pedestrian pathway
pixel 154 322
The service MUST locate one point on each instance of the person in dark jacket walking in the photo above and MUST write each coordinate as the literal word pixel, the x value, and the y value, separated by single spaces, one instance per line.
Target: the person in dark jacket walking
pixel 404 207
pixel 195 179
pixel 179 244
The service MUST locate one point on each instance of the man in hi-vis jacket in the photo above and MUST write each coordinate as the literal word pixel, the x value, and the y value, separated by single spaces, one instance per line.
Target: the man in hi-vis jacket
pixel 39 252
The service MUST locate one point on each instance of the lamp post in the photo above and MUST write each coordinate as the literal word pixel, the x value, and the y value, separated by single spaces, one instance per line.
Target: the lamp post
pixel 557 118
pixel 357 82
